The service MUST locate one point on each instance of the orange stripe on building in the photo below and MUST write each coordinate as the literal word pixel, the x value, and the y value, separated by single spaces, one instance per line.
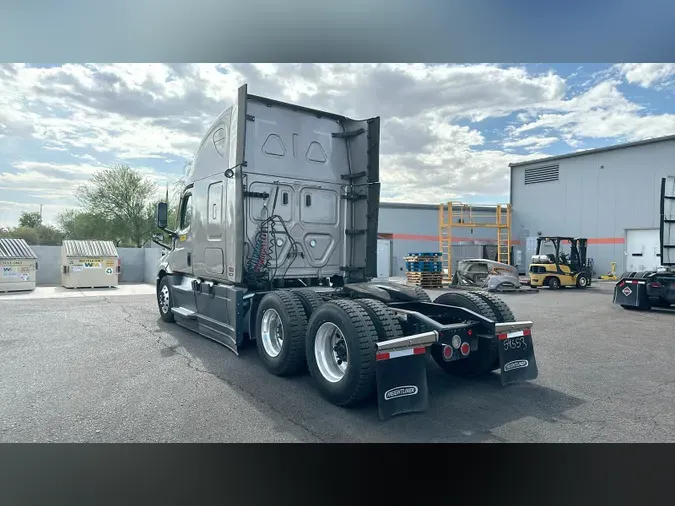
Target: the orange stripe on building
pixel 455 239
pixel 606 240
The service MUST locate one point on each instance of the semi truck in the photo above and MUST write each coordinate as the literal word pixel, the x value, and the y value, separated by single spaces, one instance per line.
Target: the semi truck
pixel 644 290
pixel 276 243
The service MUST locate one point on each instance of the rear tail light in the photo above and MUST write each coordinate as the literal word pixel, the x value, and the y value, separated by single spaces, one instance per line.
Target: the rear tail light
pixel 119 265
pixel 465 349
pixel 447 352
pixel 656 284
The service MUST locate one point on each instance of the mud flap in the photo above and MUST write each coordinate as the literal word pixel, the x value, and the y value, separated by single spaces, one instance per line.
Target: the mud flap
pixel 402 382
pixel 516 357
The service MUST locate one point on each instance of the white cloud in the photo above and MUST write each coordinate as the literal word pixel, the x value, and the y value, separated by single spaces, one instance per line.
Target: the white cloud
pixel 534 142
pixel 433 145
pixel 600 112
pixel 646 74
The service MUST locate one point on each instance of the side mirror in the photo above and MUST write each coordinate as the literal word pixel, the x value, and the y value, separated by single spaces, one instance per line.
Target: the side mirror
pixel 162 216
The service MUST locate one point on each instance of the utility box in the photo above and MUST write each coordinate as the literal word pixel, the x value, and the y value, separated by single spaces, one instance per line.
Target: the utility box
pixel 89 264
pixel 18 265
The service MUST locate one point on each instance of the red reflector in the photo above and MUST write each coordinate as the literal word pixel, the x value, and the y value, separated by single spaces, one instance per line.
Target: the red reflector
pixel 502 337
pixel 419 351
pixel 447 352
pixel 465 349
pixel 527 332
pixel 470 332
pixel 656 284
pixel 382 356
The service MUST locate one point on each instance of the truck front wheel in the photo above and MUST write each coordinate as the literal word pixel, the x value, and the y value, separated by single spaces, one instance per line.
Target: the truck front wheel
pixel 341 347
pixel 164 300
pixel 281 325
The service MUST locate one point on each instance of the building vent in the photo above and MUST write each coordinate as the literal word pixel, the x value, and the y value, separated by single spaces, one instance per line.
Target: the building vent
pixel 544 174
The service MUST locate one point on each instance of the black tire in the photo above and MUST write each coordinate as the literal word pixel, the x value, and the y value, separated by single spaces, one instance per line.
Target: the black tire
pixel 164 290
pixel 480 361
pixel 383 318
pixel 310 301
pixel 554 283
pixel 502 313
pixel 582 281
pixel 498 306
pixel 291 357
pixel 361 336
pixel 422 294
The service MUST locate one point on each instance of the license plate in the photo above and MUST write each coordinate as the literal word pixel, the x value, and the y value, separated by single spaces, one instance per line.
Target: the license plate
pixel 516 357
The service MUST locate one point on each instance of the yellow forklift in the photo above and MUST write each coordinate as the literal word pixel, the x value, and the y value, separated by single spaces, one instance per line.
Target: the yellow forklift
pixel 555 266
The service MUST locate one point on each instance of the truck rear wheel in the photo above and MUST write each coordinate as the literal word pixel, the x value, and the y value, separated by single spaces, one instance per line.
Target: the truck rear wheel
pixel 421 293
pixel 502 313
pixel 384 319
pixel 164 300
pixel 340 352
pixel 498 306
pixel 281 325
pixel 480 361
pixel 310 300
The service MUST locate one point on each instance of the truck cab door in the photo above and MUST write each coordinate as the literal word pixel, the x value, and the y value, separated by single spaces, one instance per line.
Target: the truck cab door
pixel 182 255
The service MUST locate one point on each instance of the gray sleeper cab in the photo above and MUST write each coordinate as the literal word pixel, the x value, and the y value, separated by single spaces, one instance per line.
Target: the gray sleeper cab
pixel 276 241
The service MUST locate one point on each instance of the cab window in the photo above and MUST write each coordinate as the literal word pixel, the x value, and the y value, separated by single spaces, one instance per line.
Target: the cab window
pixel 186 212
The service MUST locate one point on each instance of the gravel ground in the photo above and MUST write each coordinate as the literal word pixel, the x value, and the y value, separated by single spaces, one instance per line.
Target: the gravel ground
pixel 106 369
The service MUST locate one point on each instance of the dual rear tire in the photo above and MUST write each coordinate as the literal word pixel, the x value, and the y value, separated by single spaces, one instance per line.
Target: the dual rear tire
pixel 335 340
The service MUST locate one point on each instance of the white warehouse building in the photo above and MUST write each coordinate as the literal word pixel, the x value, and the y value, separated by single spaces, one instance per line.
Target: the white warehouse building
pixel 611 196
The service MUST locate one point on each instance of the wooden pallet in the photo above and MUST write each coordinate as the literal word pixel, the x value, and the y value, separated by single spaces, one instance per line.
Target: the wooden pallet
pixel 426 284
pixel 425 279
pixel 422 259
pixel 424 274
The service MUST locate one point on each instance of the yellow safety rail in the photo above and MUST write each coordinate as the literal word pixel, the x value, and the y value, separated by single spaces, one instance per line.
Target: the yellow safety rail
pixel 460 215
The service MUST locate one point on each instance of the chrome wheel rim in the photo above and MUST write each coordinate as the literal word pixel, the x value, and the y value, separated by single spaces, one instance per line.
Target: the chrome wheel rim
pixel 272 332
pixel 331 352
pixel 582 281
pixel 164 299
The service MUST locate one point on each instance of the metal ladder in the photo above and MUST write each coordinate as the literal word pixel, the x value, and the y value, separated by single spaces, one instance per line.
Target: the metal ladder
pixel 504 233
pixel 445 239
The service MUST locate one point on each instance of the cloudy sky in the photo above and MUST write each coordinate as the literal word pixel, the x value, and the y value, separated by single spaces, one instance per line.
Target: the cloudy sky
pixel 449 131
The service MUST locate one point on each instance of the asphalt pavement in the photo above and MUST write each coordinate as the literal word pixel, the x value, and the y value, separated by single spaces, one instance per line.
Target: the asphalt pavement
pixel 107 369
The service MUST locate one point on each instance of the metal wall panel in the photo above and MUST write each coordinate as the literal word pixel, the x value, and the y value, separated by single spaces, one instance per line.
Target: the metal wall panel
pixel 599 196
